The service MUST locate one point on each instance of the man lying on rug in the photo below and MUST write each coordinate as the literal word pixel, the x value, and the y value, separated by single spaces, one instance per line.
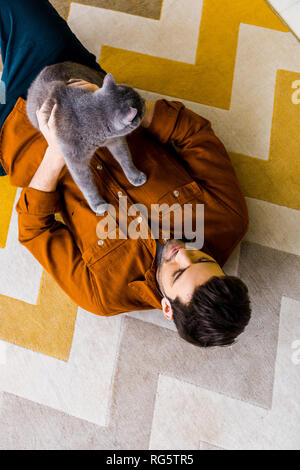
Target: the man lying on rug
pixel 115 275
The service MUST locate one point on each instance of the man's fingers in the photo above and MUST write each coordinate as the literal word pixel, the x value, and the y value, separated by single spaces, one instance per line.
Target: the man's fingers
pixel 41 115
pixel 51 122
pixel 38 111
pixel 42 109
pixel 46 121
pixel 74 81
pixel 79 83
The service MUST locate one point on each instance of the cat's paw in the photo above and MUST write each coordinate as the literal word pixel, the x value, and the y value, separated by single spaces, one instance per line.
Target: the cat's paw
pixel 101 208
pixel 138 179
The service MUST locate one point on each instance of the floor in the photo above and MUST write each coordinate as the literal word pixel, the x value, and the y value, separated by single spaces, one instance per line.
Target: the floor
pixel 289 11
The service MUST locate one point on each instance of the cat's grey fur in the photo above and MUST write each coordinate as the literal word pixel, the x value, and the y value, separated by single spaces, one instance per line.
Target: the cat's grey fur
pixel 87 120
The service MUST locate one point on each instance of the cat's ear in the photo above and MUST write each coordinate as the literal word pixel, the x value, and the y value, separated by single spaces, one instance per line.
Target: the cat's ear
pixel 108 82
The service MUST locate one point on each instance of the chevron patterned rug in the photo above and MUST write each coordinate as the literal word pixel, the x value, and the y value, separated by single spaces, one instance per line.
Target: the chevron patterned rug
pixel 72 380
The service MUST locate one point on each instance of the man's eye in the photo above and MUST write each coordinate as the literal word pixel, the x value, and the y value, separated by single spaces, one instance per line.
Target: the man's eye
pixel 177 274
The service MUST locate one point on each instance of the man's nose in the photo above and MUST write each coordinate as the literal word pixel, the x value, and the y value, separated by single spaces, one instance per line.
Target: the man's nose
pixel 182 258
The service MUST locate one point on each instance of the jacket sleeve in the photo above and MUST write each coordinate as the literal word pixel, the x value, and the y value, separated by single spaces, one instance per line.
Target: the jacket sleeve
pixel 52 244
pixel 202 152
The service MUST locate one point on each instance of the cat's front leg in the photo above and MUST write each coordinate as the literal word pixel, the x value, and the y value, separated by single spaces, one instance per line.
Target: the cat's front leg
pixel 84 179
pixel 120 150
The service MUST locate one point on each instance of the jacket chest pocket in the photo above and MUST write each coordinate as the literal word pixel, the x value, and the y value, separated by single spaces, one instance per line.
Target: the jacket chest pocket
pixel 95 236
pixel 108 237
pixel 180 214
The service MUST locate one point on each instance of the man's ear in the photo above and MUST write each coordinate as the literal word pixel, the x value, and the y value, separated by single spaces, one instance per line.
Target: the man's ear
pixel 167 309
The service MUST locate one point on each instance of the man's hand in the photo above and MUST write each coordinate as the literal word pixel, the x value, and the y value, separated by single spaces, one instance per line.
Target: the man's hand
pixel 47 175
pixel 48 129
pixel 77 82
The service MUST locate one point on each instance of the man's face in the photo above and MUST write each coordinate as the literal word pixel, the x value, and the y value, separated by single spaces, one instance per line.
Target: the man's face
pixel 181 270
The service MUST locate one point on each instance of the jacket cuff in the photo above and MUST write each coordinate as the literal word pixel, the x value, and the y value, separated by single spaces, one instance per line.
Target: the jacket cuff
pixel 164 120
pixel 35 202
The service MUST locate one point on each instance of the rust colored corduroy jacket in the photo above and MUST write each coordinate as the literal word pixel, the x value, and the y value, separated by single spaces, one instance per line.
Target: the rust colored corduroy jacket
pixel 119 275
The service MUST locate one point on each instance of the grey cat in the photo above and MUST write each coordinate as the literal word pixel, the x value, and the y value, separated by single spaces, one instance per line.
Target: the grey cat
pixel 87 120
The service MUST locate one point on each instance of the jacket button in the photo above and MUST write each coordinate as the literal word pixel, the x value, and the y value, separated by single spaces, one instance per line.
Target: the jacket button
pixel 120 194
pixel 140 220
pixel 176 193
pixel 100 242
pixel 99 167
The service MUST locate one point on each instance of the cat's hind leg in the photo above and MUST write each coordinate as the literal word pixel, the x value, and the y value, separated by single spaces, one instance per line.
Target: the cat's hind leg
pixel 83 177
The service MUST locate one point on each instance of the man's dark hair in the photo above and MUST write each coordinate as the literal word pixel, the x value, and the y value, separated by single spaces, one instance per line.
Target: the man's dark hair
pixel 218 312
